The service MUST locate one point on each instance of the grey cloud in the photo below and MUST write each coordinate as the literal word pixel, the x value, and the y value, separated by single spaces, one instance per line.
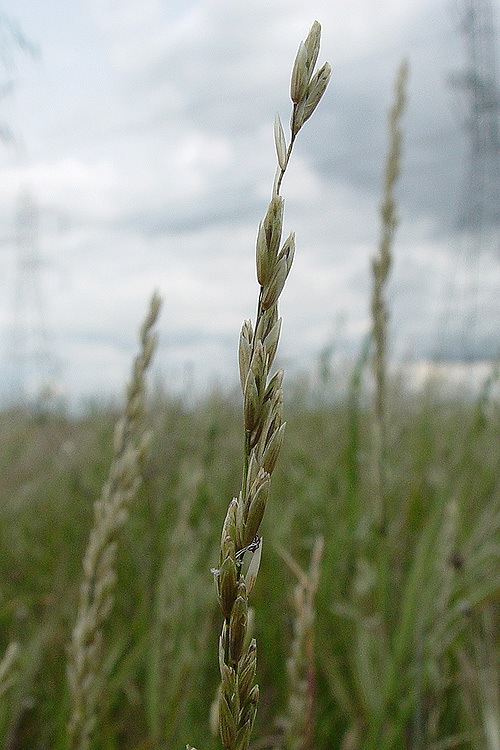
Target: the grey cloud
pixel 216 84
pixel 433 141
pixel 224 96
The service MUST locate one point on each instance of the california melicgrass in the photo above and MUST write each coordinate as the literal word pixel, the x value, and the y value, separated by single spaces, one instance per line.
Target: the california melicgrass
pixel 85 664
pixel 380 267
pixel 264 426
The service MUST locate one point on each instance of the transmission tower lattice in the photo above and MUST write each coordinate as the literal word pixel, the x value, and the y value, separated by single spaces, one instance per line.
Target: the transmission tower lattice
pixel 31 358
pixel 481 202
pixel 479 211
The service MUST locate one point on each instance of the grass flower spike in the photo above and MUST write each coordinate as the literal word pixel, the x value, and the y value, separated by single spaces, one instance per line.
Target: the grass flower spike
pixel 381 265
pixel 299 718
pixel 99 577
pixel 264 426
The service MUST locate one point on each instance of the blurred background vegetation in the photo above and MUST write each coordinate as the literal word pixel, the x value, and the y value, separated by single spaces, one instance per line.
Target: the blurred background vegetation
pixel 406 629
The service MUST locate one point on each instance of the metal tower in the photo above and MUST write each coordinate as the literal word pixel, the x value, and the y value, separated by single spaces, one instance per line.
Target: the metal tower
pixel 479 210
pixel 31 359
pixel 481 200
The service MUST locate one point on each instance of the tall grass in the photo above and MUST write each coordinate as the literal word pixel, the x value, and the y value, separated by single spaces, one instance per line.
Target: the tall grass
pixel 86 673
pixel 298 722
pixel 381 266
pixel 263 422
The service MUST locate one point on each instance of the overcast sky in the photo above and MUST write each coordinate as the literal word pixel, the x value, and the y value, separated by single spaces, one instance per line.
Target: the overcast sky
pixel 144 136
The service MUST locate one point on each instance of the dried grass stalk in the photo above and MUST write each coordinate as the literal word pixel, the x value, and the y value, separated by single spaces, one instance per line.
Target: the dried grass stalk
pixel 264 426
pixel 85 668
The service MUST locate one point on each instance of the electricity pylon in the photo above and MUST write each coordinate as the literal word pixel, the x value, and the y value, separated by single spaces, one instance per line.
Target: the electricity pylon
pixel 481 200
pixel 31 358
pixel 479 210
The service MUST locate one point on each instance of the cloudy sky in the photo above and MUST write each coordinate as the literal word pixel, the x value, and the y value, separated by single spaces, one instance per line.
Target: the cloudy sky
pixel 143 135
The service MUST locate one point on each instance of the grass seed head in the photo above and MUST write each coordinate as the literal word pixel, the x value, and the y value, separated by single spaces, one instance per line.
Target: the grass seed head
pixel 263 419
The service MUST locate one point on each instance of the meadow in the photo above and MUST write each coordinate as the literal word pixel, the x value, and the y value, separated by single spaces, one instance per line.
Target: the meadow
pixel 428 614
pixel 375 609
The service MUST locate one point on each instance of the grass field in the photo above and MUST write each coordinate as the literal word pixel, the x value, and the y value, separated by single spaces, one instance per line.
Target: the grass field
pixel 405 642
